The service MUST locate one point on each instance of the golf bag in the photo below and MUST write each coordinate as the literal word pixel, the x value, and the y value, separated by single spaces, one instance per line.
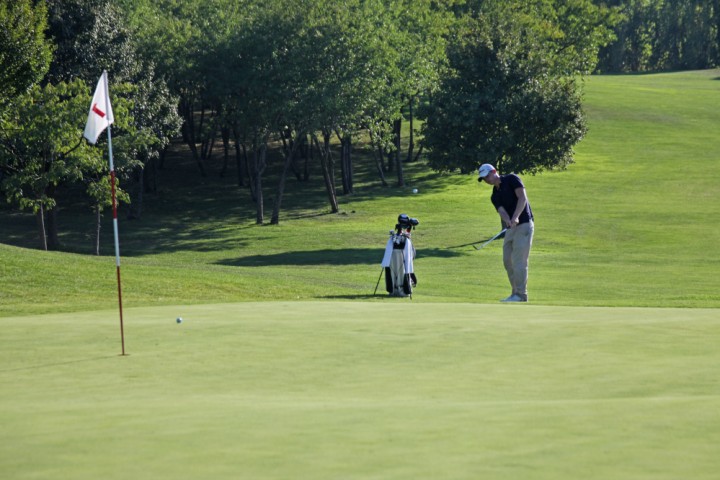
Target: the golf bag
pixel 399 258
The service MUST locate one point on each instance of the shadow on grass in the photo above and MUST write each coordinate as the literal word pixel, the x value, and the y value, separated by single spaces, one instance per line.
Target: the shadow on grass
pixel 347 256
pixel 57 364
pixel 478 243
pixel 381 294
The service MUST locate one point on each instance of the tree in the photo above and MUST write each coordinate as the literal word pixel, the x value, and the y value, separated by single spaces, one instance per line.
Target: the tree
pixel 417 32
pixel 655 35
pixel 685 35
pixel 569 32
pixel 92 36
pixel 25 53
pixel 500 103
pixel 42 149
pixel 155 115
pixel 186 41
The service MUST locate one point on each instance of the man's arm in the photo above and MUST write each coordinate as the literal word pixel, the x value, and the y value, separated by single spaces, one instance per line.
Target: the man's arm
pixel 504 216
pixel 522 202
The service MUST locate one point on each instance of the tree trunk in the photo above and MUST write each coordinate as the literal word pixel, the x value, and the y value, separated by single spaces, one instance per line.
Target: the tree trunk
pixel 308 158
pixel 411 142
pixel 150 178
pixel 40 217
pixel 162 162
pixel 98 224
pixel 388 155
pixel 240 155
pixel 397 125
pixel 378 160
pixel 419 153
pixel 290 144
pixel 188 132
pixel 258 169
pixel 208 143
pixel 241 159
pixel 346 167
pixel 259 202
pixel 381 159
pixel 326 167
pixel 136 194
pixel 226 150
pixel 289 158
pixel 53 241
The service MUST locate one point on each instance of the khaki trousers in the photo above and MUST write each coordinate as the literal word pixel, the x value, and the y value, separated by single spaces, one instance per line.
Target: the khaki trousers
pixel 516 253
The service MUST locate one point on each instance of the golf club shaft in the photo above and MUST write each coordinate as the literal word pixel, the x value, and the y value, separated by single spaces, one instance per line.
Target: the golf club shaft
pixel 493 238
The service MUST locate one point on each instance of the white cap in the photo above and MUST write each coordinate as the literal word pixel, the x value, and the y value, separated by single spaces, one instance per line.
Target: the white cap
pixel 484 171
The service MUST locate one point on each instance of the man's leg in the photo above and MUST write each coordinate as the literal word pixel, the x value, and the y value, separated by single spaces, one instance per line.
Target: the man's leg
pixel 520 256
pixel 508 257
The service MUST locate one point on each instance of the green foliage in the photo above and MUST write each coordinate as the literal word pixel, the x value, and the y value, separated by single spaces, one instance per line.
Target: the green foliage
pixel 657 35
pixel 91 36
pixel 154 114
pixel 42 145
pixel 568 33
pixel 501 103
pixel 25 53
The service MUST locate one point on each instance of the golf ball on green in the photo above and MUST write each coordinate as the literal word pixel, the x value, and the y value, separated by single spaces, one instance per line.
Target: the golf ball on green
pixel 178 320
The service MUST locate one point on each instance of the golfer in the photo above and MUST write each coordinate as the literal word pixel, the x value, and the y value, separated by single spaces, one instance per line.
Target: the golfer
pixel 511 202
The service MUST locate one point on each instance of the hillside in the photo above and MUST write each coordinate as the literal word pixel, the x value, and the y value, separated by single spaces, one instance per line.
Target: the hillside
pixel 629 224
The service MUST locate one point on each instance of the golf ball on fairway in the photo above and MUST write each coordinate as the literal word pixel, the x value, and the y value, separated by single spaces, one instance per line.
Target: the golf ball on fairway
pixel 179 320
pixel 415 190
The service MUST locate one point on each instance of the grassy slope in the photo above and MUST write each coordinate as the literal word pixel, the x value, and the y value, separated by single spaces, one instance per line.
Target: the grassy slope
pixel 630 224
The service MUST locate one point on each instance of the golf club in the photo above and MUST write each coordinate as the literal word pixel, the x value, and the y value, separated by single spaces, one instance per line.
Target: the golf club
pixel 493 238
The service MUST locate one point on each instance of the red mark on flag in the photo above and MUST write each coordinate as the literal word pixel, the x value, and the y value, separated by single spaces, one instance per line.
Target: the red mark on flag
pixel 98 111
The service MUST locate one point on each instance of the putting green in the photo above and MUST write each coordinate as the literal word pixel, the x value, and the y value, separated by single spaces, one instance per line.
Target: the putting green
pixel 385 389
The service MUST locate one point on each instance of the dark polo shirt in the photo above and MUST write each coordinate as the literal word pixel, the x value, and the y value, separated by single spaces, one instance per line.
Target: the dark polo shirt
pixel 505 197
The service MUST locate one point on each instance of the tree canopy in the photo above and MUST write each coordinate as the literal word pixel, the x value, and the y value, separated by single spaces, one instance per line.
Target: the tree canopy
pixel 25 51
pixel 500 104
pixel 493 80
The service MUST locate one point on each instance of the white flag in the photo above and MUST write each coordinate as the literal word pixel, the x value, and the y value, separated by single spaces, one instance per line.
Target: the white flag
pixel 101 114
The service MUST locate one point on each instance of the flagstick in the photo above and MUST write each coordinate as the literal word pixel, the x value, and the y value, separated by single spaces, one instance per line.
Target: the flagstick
pixel 115 221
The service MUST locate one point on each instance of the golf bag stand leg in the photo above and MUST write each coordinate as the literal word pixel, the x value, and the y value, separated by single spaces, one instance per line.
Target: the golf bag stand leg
pixel 378 282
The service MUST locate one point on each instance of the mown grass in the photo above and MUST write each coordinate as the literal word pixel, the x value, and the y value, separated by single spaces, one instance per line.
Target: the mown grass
pixel 326 390
pixel 287 366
